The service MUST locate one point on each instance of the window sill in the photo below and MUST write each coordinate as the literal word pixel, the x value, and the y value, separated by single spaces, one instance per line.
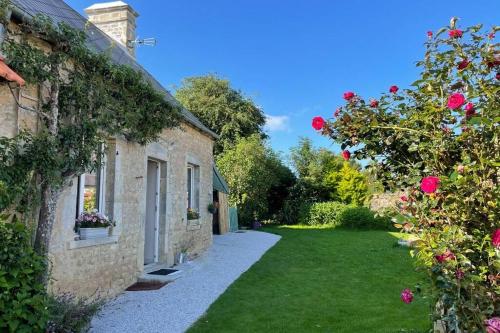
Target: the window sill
pixel 78 244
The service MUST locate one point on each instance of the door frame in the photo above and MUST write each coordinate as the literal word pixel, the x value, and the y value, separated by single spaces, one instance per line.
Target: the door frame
pixel 157 211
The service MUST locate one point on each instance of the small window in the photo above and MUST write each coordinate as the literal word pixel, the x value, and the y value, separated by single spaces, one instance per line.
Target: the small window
pixel 193 187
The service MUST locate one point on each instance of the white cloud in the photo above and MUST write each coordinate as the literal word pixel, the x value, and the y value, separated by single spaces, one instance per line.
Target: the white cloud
pixel 277 123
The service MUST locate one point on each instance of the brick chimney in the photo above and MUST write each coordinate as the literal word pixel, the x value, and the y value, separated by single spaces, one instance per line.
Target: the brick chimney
pixel 117 20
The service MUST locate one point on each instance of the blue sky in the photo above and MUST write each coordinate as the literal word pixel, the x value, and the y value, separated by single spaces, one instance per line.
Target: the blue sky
pixel 295 58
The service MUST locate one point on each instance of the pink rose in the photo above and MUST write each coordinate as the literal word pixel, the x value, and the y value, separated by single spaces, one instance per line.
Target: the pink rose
pixel 393 89
pixel 407 296
pixel 346 154
pixel 374 103
pixel 337 112
pixel 460 169
pixel 495 238
pixel 492 325
pixel 463 64
pixel 404 198
pixel 447 255
pixel 348 95
pixel 455 33
pixel 318 123
pixel 429 184
pixel 455 101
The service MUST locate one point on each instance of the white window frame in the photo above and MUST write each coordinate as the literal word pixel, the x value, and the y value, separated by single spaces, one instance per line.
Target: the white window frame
pixel 101 186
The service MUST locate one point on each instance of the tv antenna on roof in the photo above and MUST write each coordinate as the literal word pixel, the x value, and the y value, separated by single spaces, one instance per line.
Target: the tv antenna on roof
pixel 142 41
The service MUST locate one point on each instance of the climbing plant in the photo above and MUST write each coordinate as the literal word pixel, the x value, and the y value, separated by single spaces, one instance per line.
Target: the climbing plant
pixel 439 142
pixel 85 98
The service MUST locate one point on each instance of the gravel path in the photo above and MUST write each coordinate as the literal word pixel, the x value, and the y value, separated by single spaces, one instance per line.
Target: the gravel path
pixel 175 307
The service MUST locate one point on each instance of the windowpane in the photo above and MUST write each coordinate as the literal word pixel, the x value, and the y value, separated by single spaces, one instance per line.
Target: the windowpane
pixel 190 186
pixel 91 192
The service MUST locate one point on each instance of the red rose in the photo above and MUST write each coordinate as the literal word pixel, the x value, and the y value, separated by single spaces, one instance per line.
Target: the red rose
pixel 498 76
pixel 346 154
pixel 348 95
pixel 463 64
pixel 455 101
pixel 495 238
pixel 491 35
pixel 447 255
pixel 469 110
pixel 393 89
pixel 429 34
pixel 459 274
pixel 404 198
pixel 337 112
pixel 455 33
pixel 429 184
pixel 318 123
pixel 374 103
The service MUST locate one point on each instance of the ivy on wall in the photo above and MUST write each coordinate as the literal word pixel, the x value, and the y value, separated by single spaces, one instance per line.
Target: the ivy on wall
pixel 85 98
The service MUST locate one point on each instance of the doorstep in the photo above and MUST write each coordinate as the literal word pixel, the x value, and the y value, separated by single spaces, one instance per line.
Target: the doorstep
pixel 146 277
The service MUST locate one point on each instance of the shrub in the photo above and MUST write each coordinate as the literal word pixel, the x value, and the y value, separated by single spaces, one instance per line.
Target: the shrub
pixel 363 218
pixel 22 296
pixel 68 314
pixel 321 213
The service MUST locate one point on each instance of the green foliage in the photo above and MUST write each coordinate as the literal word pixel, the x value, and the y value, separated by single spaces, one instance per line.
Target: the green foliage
pixel 321 213
pixel 252 171
pixel 363 218
pixel 348 185
pixel 414 134
pixel 22 296
pixel 222 108
pixel 69 314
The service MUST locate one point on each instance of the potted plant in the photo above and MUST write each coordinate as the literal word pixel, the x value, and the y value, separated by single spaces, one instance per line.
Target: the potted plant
pixel 212 207
pixel 192 214
pixel 93 225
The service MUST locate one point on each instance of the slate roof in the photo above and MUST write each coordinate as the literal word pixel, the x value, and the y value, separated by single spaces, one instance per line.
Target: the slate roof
pixel 59 11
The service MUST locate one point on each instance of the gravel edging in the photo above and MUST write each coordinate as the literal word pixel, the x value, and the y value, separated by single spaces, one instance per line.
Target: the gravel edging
pixel 178 305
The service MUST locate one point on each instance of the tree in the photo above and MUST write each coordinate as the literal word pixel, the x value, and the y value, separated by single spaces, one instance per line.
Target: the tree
pixel 348 185
pixel 225 110
pixel 87 98
pixel 252 171
pixel 439 141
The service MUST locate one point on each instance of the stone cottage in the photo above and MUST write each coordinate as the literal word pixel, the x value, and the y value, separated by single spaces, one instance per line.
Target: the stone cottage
pixel 147 190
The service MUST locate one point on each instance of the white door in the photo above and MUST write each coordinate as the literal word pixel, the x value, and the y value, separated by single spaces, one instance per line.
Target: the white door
pixel 152 213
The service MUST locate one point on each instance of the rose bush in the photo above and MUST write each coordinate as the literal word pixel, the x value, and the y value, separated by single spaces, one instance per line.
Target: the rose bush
pixel 439 142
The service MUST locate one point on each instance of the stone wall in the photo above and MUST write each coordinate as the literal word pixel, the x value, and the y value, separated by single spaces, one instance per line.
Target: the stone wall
pixel 383 201
pixel 105 268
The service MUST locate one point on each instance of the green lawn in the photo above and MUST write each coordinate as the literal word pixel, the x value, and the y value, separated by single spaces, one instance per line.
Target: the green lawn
pixel 322 280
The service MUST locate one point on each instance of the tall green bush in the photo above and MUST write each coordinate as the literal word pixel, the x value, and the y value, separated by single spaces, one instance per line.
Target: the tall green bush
pixel 23 301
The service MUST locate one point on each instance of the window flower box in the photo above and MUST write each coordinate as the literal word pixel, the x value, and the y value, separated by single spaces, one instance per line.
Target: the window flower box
pixel 93 233
pixel 93 225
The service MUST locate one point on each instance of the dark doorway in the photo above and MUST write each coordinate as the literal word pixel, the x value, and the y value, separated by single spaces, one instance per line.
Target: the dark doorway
pixel 215 215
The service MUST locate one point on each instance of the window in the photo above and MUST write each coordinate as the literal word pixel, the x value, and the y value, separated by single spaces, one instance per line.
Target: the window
pixel 91 191
pixel 193 187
